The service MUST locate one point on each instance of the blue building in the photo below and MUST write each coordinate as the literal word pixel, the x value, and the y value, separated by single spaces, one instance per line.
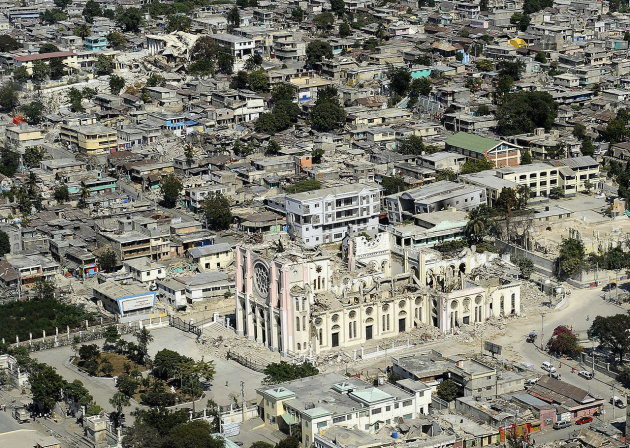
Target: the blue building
pixel 95 43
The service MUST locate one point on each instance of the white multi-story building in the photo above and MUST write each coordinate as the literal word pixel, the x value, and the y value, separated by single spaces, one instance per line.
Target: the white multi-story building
pixel 332 399
pixel 325 216
pixel 240 47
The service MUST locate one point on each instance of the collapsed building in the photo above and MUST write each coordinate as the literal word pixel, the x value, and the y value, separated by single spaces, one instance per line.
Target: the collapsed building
pixel 301 302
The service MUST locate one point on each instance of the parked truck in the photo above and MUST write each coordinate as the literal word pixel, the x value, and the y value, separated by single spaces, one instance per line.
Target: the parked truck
pixel 21 415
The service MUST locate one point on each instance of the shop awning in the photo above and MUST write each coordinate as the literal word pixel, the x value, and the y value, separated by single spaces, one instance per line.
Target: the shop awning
pixel 288 419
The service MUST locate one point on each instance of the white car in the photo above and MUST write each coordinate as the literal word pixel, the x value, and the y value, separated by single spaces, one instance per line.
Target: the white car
pixel 547 366
pixel 585 374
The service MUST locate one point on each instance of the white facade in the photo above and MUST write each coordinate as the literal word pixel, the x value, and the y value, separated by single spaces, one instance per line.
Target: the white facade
pixel 145 270
pixel 325 216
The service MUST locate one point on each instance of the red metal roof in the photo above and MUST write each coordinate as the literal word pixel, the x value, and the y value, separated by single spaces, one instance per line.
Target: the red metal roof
pixel 36 57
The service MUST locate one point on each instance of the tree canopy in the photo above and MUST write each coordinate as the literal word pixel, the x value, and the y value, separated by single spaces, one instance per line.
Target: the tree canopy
pixel 217 211
pixel 279 372
pixel 522 112
pixel 570 258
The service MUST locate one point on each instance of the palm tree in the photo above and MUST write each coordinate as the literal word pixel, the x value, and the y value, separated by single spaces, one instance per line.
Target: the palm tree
pixel 118 400
pixel 84 193
pixel 82 31
pixel 189 153
pixel 144 338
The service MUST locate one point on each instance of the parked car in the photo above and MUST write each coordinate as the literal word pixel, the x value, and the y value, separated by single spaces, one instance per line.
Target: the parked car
pixel 586 374
pixel 556 375
pixel 609 287
pixel 561 424
pixel 548 367
pixel 583 420
pixel 617 401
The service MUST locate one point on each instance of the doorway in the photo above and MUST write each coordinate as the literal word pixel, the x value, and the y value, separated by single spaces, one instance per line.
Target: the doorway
pixel 368 332
pixel 335 339
pixel 402 325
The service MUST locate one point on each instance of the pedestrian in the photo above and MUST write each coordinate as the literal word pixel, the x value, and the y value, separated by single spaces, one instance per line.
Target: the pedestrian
pixel 226 384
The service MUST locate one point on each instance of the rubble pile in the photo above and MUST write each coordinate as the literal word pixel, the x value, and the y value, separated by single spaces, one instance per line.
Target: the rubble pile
pixel 531 296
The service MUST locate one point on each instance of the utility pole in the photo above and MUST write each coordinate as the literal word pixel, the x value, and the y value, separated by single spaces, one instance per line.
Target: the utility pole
pixel 542 330
pixel 243 399
pixel 613 399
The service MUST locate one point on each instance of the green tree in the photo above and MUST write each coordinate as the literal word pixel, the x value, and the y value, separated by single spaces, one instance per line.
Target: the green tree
pixel 587 148
pixel 197 433
pixel 297 14
pixel 9 98
pixel 178 22
pixel 127 385
pixel 526 157
pixel 289 442
pixel 345 30
pixel 111 335
pixel 257 81
pixel 261 444
pixel 479 224
pixel 324 21
pixel 130 19
pixel 225 62
pixel 156 80
pixel 117 40
pixel 41 70
pixel 33 155
pixel 118 401
pixel 104 65
pixel 75 97
pixel 317 155
pixel 393 184
pixel 144 338
pixel 613 332
pixel 273 148
pixel 571 257
pixel 522 112
pixel 513 69
pixel 541 57
pixel 411 145
pixel 522 20
pixel 233 18
pixel 318 50
pixel 579 130
pixel 279 372
pixel 338 7
pixel 420 86
pixel 116 84
pixel 5 244
pixel 57 69
pixel 253 62
pixel 52 16
pixel 108 260
pixel 476 165
pixel 48 47
pixel 399 81
pixel 525 265
pixel 217 211
pixel 46 387
pixel 303 186
pixel 82 31
pixel 8 43
pixel 91 10
pixel 504 85
pixel 204 49
pixel 20 74
pixel 447 390
pixel 484 65
pixel 327 116
pixel 615 131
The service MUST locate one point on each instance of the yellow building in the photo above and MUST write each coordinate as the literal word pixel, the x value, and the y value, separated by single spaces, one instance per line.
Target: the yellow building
pixel 68 58
pixel 24 136
pixel 92 139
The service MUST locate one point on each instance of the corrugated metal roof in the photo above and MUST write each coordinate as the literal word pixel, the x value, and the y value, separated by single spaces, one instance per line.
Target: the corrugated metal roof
pixel 472 142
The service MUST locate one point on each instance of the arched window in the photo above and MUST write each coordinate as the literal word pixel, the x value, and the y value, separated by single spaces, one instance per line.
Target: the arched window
pixel 297 323
pixel 299 346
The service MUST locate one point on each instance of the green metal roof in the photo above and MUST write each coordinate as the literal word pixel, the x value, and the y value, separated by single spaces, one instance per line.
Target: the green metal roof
pixel 472 142
pixel 317 413
pixel 279 393
pixel 371 395
pixel 288 419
